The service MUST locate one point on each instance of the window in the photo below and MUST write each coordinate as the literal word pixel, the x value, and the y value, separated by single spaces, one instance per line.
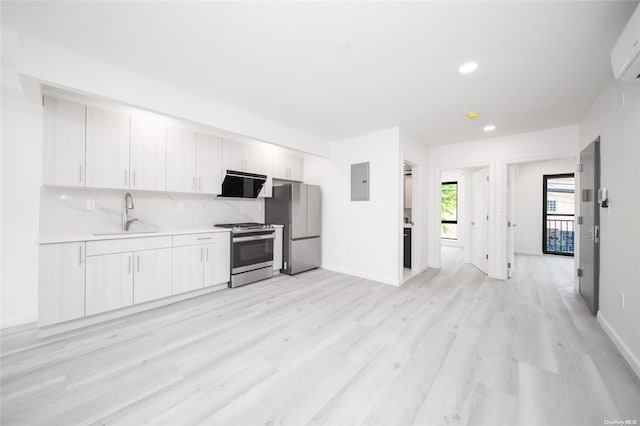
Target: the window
pixel 449 210
pixel 558 221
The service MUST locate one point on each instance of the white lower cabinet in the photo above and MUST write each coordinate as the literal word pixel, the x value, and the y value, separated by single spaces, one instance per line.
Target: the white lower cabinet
pixel 217 262
pixel 277 249
pixel 86 278
pixel 109 282
pixel 188 267
pixel 151 275
pixel 61 283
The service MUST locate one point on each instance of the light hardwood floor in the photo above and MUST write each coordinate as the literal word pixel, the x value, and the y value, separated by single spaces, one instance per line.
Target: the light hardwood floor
pixel 450 347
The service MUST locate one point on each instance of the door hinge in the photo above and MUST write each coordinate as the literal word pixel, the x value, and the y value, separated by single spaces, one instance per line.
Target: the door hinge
pixel 580 220
pixel 580 167
pixel 487 217
pixel 487 256
pixel 509 265
pixel 579 273
pixel 487 178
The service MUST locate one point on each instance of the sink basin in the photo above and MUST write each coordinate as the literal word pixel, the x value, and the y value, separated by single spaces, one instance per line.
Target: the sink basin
pixel 103 234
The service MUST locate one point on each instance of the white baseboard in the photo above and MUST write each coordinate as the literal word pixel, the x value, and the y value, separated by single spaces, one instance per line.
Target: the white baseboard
pixel 529 252
pixel 631 358
pixel 360 275
pixel 12 322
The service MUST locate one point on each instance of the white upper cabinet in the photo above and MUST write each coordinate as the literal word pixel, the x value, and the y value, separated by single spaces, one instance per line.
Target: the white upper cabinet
pixel 242 157
pixel 64 143
pixel 107 149
pixel 148 154
pixel 287 166
pixel 209 164
pixel 181 160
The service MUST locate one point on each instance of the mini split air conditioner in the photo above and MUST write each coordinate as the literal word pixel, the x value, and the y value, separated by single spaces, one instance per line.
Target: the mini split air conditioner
pixel 625 55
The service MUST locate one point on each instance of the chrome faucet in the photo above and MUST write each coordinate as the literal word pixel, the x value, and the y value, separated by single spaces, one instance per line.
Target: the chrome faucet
pixel 128 205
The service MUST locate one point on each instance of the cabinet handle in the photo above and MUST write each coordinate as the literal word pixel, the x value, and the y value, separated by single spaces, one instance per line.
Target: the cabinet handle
pixel 194 183
pixel 80 256
pixel 201 254
pixel 199 183
pixel 204 238
pixel 129 268
pixel 207 254
pixel 125 177
pixel 134 178
pixel 138 263
pixel 80 173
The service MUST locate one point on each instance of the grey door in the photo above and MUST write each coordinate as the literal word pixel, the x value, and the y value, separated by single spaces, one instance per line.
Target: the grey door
pixel 298 211
pixel 589 261
pixel 313 210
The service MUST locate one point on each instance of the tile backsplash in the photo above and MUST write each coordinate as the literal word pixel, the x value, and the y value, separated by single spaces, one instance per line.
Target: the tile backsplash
pixel 81 211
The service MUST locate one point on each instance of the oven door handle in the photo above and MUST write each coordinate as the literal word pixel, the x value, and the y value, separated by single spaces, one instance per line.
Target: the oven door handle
pixel 253 238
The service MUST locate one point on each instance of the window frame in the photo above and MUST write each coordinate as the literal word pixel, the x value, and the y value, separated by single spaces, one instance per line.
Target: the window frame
pixel 449 222
pixel 545 179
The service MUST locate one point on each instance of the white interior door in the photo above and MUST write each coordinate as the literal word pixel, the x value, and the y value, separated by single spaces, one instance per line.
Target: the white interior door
pixel 511 193
pixel 480 220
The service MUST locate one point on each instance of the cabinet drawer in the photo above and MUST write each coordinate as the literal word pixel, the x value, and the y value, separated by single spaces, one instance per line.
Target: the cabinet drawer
pixel 95 248
pixel 193 239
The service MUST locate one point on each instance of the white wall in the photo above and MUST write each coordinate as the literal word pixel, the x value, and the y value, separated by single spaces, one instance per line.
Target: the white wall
pixel 415 151
pixel 619 129
pixel 361 238
pixel 21 177
pixel 497 153
pixel 528 201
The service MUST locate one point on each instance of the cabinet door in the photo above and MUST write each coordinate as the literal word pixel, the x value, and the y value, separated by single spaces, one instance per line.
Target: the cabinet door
pixel 253 159
pixel 181 160
pixel 148 154
pixel 296 168
pixel 233 156
pixel 209 164
pixel 217 266
pixel 61 283
pixel 277 250
pixel 279 168
pixel 109 282
pixel 64 143
pixel 152 275
pixel 107 149
pixel 188 268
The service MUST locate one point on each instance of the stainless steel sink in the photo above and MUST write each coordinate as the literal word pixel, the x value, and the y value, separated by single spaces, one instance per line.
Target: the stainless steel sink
pixel 103 234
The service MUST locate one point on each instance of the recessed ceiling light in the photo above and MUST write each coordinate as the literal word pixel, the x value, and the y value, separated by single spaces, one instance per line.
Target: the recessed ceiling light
pixel 472 115
pixel 489 128
pixel 468 67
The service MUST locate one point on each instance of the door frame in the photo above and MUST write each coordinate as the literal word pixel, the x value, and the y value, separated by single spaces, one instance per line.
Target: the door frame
pixel 416 267
pixel 544 212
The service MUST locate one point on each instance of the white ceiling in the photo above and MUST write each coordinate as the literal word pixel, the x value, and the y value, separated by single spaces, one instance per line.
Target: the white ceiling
pixel 541 63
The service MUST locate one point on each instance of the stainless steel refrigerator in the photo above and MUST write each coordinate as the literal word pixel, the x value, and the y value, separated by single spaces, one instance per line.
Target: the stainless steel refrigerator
pixel 297 207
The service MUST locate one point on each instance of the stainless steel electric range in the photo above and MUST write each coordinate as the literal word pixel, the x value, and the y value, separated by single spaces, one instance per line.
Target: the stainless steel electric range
pixel 251 252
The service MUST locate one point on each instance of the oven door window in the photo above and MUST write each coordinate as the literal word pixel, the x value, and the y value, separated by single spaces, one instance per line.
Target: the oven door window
pixel 247 253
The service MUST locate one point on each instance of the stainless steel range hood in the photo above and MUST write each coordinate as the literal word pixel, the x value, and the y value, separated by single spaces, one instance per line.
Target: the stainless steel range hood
pixel 242 184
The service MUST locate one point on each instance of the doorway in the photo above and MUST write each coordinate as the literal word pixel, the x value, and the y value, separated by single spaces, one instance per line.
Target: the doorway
pixel 558 214
pixel 409 215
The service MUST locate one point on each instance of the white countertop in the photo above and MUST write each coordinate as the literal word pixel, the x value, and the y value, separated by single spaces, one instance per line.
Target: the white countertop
pixel 408 225
pixel 67 238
